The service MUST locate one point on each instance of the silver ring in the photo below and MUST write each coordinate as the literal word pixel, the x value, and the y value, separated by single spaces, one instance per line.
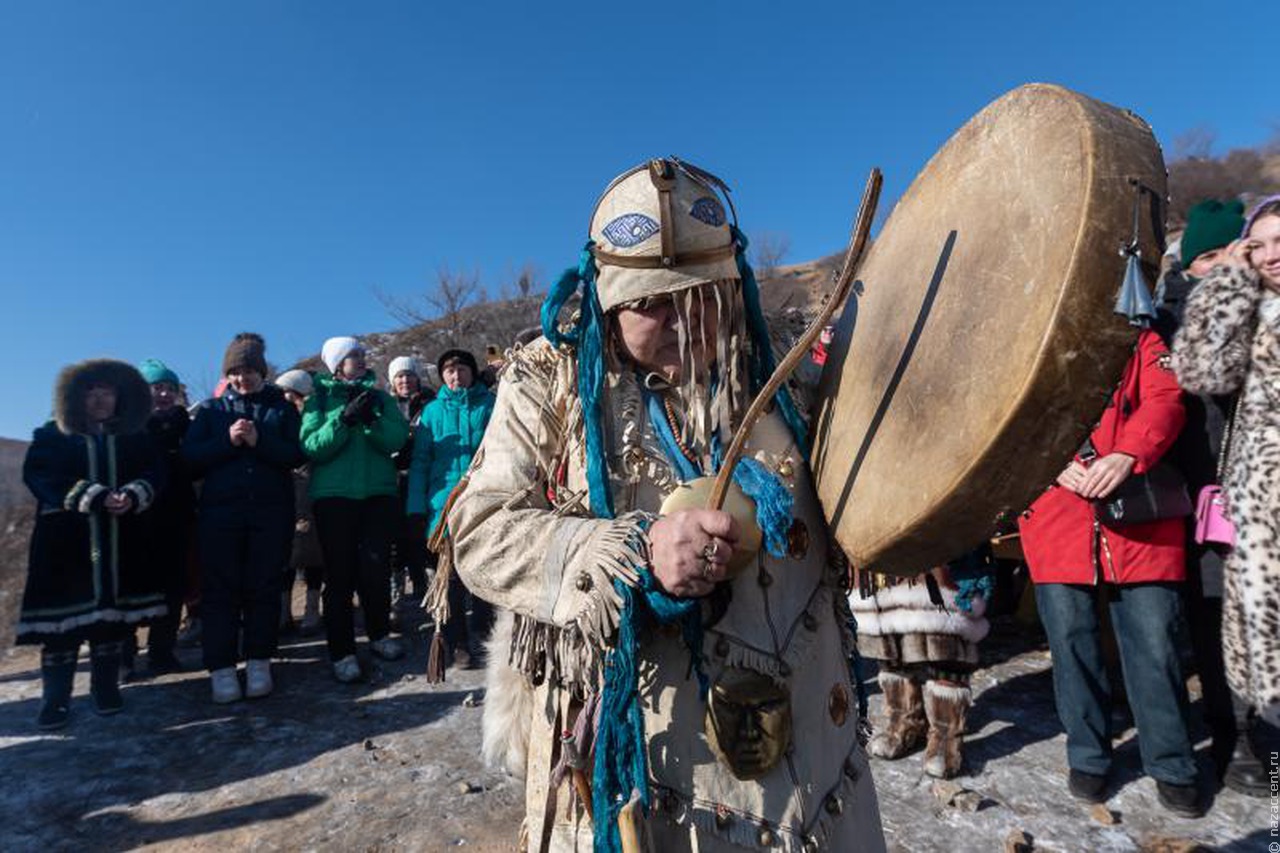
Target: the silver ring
pixel 709 551
pixel 707 571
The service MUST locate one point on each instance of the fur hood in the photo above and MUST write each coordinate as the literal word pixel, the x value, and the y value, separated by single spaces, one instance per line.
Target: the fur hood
pixel 133 396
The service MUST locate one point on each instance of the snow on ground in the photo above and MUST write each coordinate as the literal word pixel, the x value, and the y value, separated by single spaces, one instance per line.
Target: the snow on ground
pixel 392 765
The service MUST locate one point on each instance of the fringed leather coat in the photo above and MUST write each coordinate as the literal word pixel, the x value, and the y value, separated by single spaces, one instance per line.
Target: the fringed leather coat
pixel 524 539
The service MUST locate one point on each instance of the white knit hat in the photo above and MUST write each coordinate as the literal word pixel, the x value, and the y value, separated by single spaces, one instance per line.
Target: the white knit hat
pixel 336 349
pixel 402 364
pixel 298 381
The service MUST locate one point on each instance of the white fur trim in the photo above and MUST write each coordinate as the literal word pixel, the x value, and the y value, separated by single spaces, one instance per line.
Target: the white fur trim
pixel 948 692
pixel 90 495
pixel 905 594
pixel 72 499
pixel 143 494
pixel 62 626
pixel 508 703
pixel 931 620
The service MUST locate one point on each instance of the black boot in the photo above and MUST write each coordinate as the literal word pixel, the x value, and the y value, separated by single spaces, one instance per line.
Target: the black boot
pixel 57 673
pixel 104 678
pixel 1245 773
pixel 162 639
pixel 1089 787
pixel 127 664
pixel 1182 800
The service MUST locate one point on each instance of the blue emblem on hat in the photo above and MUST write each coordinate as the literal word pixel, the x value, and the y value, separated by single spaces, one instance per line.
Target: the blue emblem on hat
pixel 630 229
pixel 708 210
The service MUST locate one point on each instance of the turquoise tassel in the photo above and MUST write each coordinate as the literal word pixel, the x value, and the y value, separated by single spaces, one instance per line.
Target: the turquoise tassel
pixel 773 502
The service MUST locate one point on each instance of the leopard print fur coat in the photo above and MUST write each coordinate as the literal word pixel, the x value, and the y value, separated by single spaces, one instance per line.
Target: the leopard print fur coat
pixel 1230 343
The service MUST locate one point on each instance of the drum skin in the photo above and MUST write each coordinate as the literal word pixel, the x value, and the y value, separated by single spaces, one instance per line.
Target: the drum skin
pixel 981 344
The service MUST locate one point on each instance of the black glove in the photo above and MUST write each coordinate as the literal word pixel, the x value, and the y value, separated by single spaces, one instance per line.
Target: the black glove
pixel 352 412
pixel 371 409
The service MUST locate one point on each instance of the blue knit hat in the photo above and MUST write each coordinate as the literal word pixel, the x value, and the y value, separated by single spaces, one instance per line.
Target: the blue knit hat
pixel 156 371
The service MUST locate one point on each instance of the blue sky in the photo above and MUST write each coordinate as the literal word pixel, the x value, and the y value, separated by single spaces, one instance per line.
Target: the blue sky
pixel 174 172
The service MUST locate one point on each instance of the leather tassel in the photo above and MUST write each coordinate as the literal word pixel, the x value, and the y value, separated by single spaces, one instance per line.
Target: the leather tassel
pixel 436 659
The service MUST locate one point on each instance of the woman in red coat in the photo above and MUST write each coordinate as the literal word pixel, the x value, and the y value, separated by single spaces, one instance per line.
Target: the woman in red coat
pixel 1137 569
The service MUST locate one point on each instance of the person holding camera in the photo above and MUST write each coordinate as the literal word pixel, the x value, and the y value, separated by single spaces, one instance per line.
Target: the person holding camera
pixel 351 430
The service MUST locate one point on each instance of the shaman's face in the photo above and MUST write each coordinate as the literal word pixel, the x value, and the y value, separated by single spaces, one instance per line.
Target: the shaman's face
pixel 648 330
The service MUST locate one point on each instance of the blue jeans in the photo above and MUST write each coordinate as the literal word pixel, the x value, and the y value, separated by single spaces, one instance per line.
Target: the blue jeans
pixel 1148 623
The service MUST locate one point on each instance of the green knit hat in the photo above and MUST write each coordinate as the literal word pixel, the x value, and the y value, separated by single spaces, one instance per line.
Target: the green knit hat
pixel 154 370
pixel 1211 224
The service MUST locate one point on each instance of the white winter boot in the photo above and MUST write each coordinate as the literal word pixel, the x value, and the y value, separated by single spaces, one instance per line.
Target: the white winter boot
pixel 226 685
pixel 257 678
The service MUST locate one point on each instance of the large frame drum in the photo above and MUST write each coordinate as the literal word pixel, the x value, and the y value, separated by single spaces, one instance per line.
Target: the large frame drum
pixel 982 342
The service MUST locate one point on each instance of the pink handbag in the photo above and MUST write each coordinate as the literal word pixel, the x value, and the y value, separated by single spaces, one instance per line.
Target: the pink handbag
pixel 1212 522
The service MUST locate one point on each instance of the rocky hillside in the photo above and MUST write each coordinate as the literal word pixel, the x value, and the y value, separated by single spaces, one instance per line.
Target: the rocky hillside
pixel 17 513
pixel 11 489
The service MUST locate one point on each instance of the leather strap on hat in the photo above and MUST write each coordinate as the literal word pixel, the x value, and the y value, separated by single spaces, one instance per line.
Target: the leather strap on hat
pixel 663 175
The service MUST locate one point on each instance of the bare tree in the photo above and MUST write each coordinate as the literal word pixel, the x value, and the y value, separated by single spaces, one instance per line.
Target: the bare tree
pixel 768 248
pixel 1196 143
pixel 1241 173
pixel 521 283
pixel 526 281
pixel 446 303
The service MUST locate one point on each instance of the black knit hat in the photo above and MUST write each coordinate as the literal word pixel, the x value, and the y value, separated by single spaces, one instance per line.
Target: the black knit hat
pixel 457 355
pixel 247 351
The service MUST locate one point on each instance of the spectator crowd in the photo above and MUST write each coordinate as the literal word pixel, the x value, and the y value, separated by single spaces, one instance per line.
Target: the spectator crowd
pixel 148 508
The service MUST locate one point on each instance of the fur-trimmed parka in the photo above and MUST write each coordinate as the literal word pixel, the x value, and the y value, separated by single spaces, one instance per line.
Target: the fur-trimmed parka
pixel 903 622
pixel 1230 342
pixel 88 572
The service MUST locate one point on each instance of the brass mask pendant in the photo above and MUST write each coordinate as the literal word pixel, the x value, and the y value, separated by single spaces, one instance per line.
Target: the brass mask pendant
pixel 748 722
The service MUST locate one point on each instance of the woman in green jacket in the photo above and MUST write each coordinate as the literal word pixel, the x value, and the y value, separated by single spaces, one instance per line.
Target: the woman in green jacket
pixel 350 430
pixel 449 431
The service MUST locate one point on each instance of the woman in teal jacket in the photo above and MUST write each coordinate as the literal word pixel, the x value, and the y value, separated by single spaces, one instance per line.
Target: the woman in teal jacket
pixel 350 430
pixel 449 431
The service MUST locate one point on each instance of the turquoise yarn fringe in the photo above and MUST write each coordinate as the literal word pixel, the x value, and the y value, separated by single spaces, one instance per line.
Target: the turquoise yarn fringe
pixel 621 766
pixel 762 362
pixel 587 337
